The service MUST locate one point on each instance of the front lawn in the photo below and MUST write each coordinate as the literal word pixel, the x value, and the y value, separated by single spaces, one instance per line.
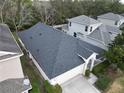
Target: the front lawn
pixel 108 77
pixel 117 86
pixel 33 74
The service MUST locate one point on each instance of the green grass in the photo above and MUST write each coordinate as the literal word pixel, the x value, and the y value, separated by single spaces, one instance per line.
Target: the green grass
pixel 36 81
pixel 32 72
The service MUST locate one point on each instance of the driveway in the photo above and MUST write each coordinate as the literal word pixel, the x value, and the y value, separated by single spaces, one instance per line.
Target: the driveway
pixel 78 85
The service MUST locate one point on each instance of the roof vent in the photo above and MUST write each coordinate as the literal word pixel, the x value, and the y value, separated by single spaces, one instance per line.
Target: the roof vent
pixel 110 33
pixel 31 37
pixel 38 50
pixel 26 82
pixel 40 34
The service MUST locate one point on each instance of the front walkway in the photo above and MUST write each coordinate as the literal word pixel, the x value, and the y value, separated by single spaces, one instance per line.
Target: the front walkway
pixel 78 85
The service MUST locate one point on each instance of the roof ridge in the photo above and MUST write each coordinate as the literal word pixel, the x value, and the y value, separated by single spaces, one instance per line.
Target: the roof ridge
pixel 57 54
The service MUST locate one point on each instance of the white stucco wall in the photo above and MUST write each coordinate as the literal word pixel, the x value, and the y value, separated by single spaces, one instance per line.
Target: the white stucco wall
pixel 67 75
pixel 76 28
pixel 1 54
pixel 11 69
pixel 79 28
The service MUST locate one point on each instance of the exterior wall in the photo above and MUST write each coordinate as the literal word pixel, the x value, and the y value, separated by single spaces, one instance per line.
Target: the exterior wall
pixel 78 28
pixel 11 69
pixel 95 26
pixel 67 75
pixel 1 54
pixel 107 22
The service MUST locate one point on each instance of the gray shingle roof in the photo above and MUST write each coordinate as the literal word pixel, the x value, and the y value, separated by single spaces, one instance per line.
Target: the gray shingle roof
pixel 13 86
pixel 103 33
pixel 84 20
pixel 7 42
pixel 111 16
pixel 55 51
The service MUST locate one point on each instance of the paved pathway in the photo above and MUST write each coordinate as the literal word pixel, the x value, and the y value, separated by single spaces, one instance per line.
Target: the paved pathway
pixel 78 85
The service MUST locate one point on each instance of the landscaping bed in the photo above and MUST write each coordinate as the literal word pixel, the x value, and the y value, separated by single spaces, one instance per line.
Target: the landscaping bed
pixel 106 76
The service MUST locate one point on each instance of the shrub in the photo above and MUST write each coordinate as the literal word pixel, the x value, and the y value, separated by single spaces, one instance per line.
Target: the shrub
pixel 87 73
pixel 100 68
pixel 48 87
pixel 121 66
pixel 103 82
pixel 52 89
pixel 58 89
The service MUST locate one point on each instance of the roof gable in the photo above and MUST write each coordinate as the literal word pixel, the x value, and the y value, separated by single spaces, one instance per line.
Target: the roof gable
pixel 84 20
pixel 103 34
pixel 111 16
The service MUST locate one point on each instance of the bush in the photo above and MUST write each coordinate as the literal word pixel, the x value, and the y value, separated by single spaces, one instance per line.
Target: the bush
pixel 58 89
pixel 48 87
pixel 52 89
pixel 121 66
pixel 87 73
pixel 103 82
pixel 100 68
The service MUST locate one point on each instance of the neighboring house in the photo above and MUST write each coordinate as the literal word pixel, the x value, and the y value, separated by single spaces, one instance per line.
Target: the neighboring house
pixel 91 31
pixel 12 79
pixel 82 24
pixel 58 56
pixel 111 19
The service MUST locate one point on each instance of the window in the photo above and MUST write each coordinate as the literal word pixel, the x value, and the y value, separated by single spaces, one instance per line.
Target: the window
pixel 91 29
pixel 110 33
pixel 69 23
pixel 75 34
pixel 86 28
pixel 116 23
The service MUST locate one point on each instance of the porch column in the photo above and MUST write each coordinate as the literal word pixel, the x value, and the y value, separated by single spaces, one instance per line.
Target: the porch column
pixel 92 64
pixel 85 67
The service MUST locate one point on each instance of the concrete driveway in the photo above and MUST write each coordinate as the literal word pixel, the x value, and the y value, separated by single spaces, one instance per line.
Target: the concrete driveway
pixel 78 85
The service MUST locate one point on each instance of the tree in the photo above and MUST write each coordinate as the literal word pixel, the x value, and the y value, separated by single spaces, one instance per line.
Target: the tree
pixel 115 54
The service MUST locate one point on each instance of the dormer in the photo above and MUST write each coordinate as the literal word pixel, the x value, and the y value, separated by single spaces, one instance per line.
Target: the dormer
pixel 82 24
pixel 111 19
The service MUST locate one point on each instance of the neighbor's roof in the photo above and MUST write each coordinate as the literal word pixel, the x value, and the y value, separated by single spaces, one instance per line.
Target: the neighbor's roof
pixel 55 51
pixel 7 42
pixel 84 20
pixel 13 86
pixel 105 33
pixel 111 16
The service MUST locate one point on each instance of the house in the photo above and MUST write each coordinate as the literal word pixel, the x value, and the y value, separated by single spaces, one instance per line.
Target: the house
pixel 82 24
pixel 91 31
pixel 111 19
pixel 12 79
pixel 58 56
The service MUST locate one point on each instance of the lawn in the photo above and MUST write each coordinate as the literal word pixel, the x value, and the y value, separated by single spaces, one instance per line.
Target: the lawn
pixel 109 79
pixel 117 86
pixel 32 72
